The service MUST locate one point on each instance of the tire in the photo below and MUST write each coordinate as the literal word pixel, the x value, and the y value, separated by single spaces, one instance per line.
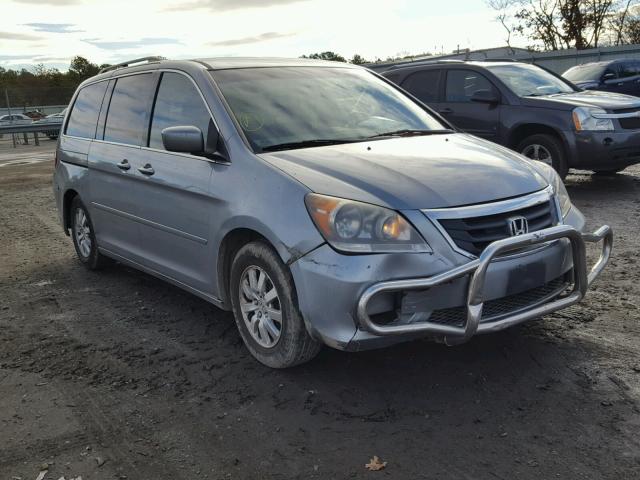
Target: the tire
pixel 540 146
pixel 275 343
pixel 605 173
pixel 82 230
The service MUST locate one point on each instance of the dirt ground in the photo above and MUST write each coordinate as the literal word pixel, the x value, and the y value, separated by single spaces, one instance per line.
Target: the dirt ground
pixel 118 375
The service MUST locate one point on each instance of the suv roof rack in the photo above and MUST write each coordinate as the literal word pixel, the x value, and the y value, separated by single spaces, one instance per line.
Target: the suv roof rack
pixel 129 63
pixel 489 60
pixel 416 63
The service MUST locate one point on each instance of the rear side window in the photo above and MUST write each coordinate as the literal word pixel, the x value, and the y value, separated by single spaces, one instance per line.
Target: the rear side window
pixel 462 84
pixel 128 109
pixel 423 85
pixel 84 114
pixel 178 103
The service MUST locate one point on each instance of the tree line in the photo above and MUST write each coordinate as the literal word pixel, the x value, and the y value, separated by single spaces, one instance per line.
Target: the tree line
pixel 43 86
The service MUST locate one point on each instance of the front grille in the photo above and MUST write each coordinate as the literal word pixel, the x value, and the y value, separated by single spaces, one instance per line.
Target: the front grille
pixel 494 309
pixel 632 123
pixel 473 234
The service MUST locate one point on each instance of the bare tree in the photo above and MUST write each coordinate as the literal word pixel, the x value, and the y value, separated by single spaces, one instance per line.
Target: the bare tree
pixel 557 24
pixel 503 7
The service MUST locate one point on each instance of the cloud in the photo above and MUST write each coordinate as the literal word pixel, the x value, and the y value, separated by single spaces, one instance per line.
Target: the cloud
pixel 264 37
pixel 55 3
pixel 25 56
pixel 143 42
pixel 53 27
pixel 18 36
pixel 226 5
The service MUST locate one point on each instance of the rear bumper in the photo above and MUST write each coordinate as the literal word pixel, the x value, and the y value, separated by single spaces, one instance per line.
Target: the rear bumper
pixel 477 271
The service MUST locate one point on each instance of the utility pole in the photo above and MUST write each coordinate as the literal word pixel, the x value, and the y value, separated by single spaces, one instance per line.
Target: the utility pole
pixel 6 96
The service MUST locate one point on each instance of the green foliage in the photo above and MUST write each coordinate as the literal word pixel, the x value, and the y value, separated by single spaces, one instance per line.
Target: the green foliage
pixel 44 85
pixel 358 60
pixel 332 56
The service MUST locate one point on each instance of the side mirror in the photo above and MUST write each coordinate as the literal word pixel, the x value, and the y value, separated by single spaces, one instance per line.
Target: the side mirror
pixel 485 96
pixel 608 76
pixel 185 139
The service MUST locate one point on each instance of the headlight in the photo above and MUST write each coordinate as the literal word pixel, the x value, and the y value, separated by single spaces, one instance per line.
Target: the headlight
pixel 561 192
pixel 351 226
pixel 583 119
pixel 556 183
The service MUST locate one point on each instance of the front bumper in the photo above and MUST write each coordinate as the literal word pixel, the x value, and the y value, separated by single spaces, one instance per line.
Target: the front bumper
pixel 477 270
pixel 604 150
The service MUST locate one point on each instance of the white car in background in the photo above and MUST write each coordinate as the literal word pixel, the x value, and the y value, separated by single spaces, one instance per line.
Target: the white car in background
pixel 15 119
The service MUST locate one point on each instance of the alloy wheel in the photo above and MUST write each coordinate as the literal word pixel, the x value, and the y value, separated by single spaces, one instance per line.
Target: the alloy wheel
pixel 82 232
pixel 538 152
pixel 260 306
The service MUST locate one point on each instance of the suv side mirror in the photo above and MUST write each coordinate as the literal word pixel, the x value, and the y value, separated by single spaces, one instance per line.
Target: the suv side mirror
pixel 485 96
pixel 608 76
pixel 185 139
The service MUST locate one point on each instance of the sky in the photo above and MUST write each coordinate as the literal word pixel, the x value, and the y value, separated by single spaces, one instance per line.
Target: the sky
pixel 52 32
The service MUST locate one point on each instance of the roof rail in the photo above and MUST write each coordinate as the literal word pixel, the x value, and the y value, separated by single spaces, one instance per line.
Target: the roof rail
pixel 489 60
pixel 417 63
pixel 129 63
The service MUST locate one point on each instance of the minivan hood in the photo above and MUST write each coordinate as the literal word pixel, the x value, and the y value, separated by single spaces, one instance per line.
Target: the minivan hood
pixel 587 98
pixel 435 171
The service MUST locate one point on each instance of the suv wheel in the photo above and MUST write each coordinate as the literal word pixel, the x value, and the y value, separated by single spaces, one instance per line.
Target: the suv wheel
pixel 84 239
pixel 266 311
pixel 547 149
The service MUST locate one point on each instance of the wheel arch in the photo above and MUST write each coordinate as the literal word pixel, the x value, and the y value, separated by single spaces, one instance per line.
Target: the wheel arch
pixel 524 130
pixel 67 200
pixel 230 244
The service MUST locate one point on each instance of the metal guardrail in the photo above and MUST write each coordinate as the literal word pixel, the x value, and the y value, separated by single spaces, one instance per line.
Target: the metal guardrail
pixel 34 127
pixel 50 129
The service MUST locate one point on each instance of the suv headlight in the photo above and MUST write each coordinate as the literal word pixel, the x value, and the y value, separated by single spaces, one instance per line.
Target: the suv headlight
pixel 557 184
pixel 357 227
pixel 583 120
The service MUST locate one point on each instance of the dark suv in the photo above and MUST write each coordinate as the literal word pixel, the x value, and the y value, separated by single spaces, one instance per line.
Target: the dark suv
pixel 619 76
pixel 531 110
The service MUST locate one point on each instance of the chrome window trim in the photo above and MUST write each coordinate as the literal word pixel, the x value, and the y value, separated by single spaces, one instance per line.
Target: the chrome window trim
pixel 492 208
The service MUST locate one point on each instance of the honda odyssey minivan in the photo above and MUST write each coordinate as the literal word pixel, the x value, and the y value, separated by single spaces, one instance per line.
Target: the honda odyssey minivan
pixel 317 201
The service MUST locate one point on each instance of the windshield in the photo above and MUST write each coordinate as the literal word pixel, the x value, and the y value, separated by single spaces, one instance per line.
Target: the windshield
pixel 529 80
pixel 584 73
pixel 293 105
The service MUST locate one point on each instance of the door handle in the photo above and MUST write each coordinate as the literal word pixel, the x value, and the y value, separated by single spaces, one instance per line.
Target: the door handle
pixel 147 169
pixel 445 111
pixel 124 165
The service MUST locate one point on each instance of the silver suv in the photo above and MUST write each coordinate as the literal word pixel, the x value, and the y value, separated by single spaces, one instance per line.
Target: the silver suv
pixel 317 201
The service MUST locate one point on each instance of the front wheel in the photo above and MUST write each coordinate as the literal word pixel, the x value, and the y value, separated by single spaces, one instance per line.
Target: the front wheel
pixel 84 238
pixel 547 149
pixel 266 310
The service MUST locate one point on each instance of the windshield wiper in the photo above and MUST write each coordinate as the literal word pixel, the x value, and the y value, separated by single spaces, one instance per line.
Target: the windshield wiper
pixel 318 142
pixel 408 132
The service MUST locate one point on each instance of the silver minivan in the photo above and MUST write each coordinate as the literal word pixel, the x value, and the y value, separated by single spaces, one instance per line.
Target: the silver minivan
pixel 318 201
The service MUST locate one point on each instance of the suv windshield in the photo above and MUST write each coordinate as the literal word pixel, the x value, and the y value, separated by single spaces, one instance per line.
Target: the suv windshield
pixel 297 107
pixel 584 73
pixel 529 80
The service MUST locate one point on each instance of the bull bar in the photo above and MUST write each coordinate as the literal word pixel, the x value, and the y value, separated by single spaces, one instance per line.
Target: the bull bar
pixel 477 269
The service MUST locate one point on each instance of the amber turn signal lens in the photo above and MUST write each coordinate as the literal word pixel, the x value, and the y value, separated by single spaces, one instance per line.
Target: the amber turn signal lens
pixel 321 209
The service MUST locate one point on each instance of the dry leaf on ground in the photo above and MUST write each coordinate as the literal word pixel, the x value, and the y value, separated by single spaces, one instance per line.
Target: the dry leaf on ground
pixel 375 464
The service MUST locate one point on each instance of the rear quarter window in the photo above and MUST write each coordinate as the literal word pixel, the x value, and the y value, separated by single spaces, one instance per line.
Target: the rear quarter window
pixel 84 114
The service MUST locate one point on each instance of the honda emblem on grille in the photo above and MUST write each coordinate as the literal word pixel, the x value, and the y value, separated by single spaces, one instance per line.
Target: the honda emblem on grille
pixel 517 226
